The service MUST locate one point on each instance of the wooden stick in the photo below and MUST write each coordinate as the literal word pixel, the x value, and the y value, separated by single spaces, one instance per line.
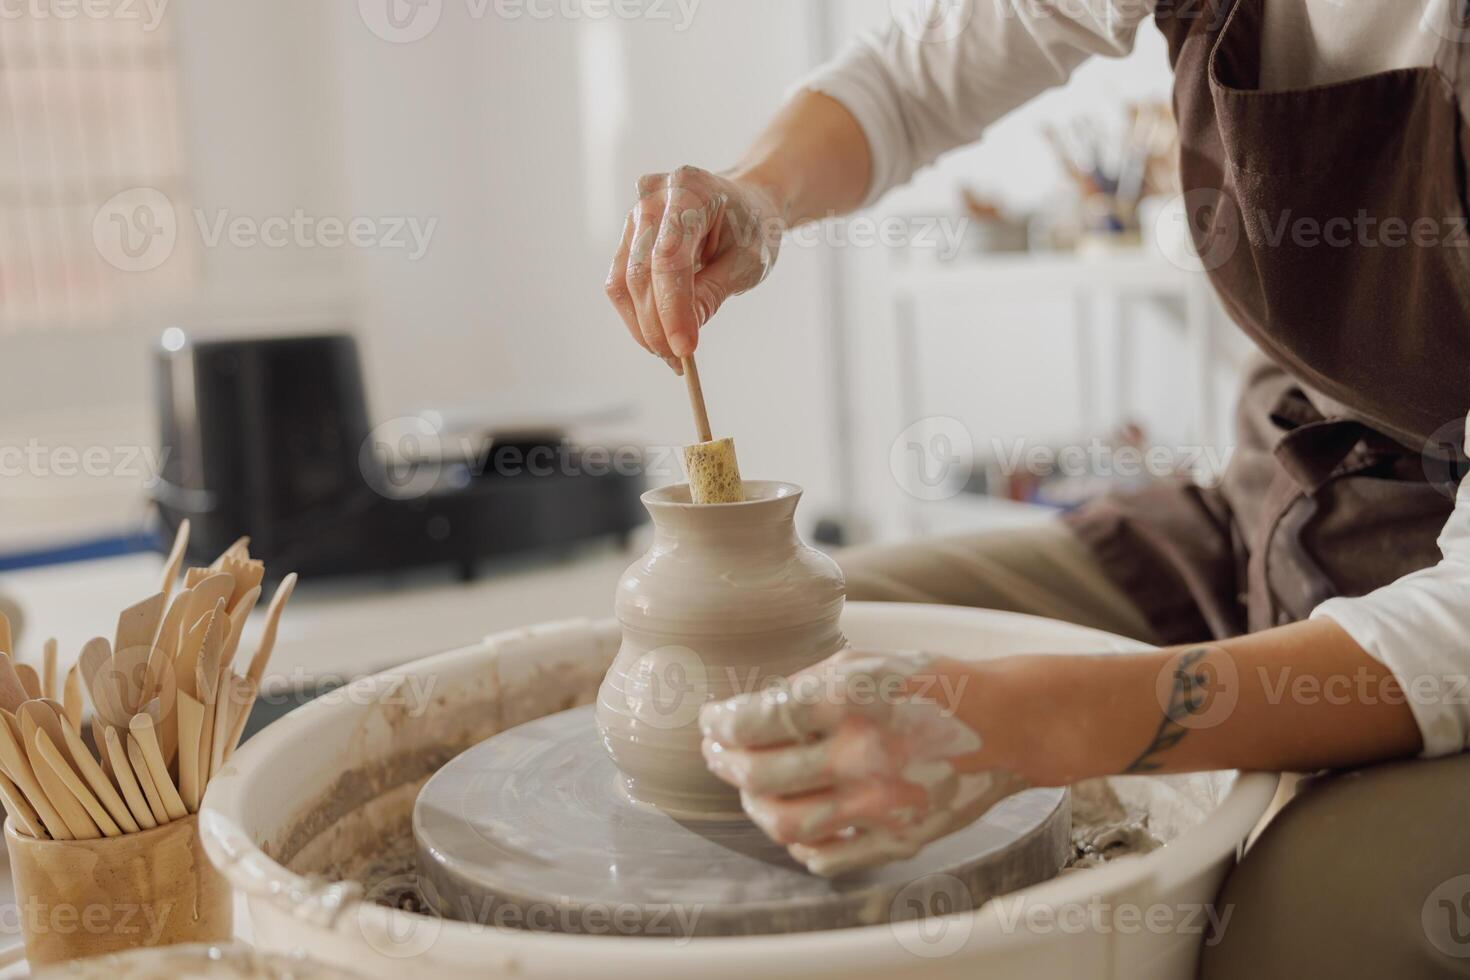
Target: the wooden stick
pixel 72 812
pixel 27 821
pixel 145 780
pixel 131 648
pixel 175 558
pixel 143 734
pixel 48 670
pixel 30 679
pixel 12 689
pixel 18 768
pixel 96 662
pixel 238 615
pixel 71 697
pixel 96 778
pixel 206 687
pixel 127 781
pixel 7 643
pixel 696 399
pixel 246 690
pixel 191 719
pixel 268 636
pixel 63 770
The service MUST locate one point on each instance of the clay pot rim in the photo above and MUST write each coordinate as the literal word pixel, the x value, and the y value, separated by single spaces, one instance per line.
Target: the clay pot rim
pixel 675 496
pixel 102 843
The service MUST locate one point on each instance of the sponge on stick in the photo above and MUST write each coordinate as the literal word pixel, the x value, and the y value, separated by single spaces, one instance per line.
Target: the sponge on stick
pixel 714 475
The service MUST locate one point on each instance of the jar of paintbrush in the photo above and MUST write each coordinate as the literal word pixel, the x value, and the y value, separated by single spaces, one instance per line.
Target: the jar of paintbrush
pixel 102 832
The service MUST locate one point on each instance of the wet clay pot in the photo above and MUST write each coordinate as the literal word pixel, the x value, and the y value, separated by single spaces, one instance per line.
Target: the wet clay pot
pixel 727 599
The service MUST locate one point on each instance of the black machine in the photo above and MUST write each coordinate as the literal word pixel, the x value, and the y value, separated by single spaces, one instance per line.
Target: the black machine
pixel 270 438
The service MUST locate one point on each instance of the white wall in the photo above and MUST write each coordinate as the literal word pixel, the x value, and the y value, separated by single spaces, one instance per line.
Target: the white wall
pixel 513 137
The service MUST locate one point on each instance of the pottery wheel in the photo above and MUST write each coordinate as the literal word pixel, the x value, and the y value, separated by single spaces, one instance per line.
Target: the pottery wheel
pixel 531 829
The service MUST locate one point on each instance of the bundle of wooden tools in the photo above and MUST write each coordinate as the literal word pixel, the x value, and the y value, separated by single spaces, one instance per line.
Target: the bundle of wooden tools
pixel 167 706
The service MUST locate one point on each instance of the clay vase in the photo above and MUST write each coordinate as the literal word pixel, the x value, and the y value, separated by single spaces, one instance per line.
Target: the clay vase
pixel 727 599
pixel 81 898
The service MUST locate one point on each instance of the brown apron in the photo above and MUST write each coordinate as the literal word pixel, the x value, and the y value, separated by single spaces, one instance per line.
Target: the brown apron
pixel 1332 223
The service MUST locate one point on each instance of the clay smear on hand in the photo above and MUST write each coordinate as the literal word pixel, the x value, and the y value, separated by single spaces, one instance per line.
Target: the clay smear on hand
pixel 853 763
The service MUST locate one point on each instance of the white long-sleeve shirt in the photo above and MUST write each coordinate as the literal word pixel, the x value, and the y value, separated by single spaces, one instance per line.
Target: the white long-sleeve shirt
pixel 922 87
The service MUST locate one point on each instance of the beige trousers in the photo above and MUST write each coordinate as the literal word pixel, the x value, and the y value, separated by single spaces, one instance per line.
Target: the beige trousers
pixel 1362 874
pixel 1042 570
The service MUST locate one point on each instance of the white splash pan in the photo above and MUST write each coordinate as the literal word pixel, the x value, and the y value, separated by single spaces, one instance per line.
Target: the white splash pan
pixel 314 790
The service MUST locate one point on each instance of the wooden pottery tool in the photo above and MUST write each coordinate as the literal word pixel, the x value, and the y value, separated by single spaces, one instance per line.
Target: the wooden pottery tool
pixel 256 670
pixel 30 679
pixel 144 775
pixel 52 757
pixel 71 695
pixel 243 694
pixel 144 736
pixel 127 780
pixel 175 558
pixel 132 647
pixel 92 772
pixel 17 765
pixel 12 688
pixel 80 825
pixel 48 670
pixel 714 473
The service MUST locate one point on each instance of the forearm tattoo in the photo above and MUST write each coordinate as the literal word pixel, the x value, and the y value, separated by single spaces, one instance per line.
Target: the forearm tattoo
pixel 1189 696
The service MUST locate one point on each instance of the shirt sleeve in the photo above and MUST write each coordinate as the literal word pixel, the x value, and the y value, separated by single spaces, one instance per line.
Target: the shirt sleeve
pixel 1419 628
pixel 943 71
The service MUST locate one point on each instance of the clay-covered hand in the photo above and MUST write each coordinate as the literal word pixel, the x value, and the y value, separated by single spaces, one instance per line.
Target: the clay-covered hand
pixel 693 240
pixel 859 760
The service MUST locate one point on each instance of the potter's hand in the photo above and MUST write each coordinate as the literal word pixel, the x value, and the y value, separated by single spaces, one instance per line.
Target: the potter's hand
pixel 858 760
pixel 693 240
